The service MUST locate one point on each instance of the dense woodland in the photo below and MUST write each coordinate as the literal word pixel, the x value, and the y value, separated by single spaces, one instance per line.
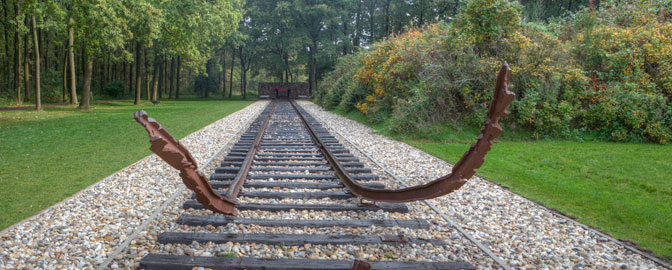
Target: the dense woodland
pixel 598 67
pixel 601 72
pixel 59 51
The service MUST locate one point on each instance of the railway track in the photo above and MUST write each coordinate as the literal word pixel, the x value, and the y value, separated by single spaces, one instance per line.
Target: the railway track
pixel 288 196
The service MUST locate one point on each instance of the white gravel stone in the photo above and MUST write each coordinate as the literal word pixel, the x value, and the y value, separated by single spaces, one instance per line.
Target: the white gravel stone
pixel 81 231
pixel 457 249
pixel 523 233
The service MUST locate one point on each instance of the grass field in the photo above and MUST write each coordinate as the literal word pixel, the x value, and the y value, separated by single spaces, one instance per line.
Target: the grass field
pixel 622 189
pixel 50 155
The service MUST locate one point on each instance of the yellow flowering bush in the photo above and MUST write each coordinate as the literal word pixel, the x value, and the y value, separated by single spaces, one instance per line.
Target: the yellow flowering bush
pixel 607 72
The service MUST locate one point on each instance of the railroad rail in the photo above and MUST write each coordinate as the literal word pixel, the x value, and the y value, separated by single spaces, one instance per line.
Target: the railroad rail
pixel 287 161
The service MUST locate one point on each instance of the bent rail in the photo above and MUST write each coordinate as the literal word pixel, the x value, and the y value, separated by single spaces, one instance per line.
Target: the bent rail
pixel 176 155
pixel 461 172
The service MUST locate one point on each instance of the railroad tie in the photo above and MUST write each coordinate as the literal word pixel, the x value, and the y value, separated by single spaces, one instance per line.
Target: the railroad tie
pixel 288 174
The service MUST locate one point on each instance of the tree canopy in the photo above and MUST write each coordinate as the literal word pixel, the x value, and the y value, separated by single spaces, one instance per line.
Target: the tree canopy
pixel 143 48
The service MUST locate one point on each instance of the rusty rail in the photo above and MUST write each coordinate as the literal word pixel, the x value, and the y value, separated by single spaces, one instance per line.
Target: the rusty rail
pixel 176 155
pixel 241 177
pixel 461 172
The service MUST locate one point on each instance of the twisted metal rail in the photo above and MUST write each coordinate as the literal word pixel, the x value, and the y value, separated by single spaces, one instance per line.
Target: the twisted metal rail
pixel 175 154
pixel 462 171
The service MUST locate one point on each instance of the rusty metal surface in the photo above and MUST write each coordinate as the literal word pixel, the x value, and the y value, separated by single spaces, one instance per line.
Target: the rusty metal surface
pixel 463 170
pixel 176 155
pixel 361 265
pixel 240 178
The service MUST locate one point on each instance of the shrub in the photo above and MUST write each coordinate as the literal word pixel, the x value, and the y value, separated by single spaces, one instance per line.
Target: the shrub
pixel 624 113
pixel 114 89
pixel 485 22
pixel 606 72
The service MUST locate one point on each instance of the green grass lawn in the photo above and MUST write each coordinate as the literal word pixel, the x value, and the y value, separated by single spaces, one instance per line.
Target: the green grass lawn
pixel 622 189
pixel 50 155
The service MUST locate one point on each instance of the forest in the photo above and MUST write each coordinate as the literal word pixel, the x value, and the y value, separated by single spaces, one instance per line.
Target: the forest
pixel 73 51
pixel 602 72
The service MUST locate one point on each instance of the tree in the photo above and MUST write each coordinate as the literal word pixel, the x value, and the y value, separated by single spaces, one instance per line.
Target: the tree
pixel 71 58
pixel 36 46
pixel 193 29
pixel 312 16
pixel 146 21
pixel 100 29
pixel 245 57
pixel 43 15
pixel 18 29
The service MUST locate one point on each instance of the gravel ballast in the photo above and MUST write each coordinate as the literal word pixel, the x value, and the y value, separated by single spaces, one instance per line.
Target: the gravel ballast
pixel 524 234
pixel 457 247
pixel 80 232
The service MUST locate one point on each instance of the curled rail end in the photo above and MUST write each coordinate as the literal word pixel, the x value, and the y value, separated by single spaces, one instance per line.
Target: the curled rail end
pixel 164 145
pixel 463 170
pixel 466 167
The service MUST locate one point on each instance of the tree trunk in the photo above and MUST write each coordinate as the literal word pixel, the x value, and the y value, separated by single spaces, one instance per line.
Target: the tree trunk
pixel 156 79
pixel 208 70
pixel 122 76
pixel 148 80
pixel 164 76
pixel 129 79
pixel 177 80
pixel 86 88
pixel 65 76
pixel 233 64
pixel 138 72
pixel 421 21
pixel 101 76
pixel 36 45
pixel 222 75
pixel 345 33
pixel 313 69
pixel 358 24
pixel 17 56
pixel 7 64
pixel 71 56
pixel 372 12
pixel 43 37
pixel 171 80
pixel 161 81
pixel 387 17
pixel 113 73
pixel 288 70
pixel 108 71
pixel 26 66
pixel 46 50
pixel 83 64
pixel 243 74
